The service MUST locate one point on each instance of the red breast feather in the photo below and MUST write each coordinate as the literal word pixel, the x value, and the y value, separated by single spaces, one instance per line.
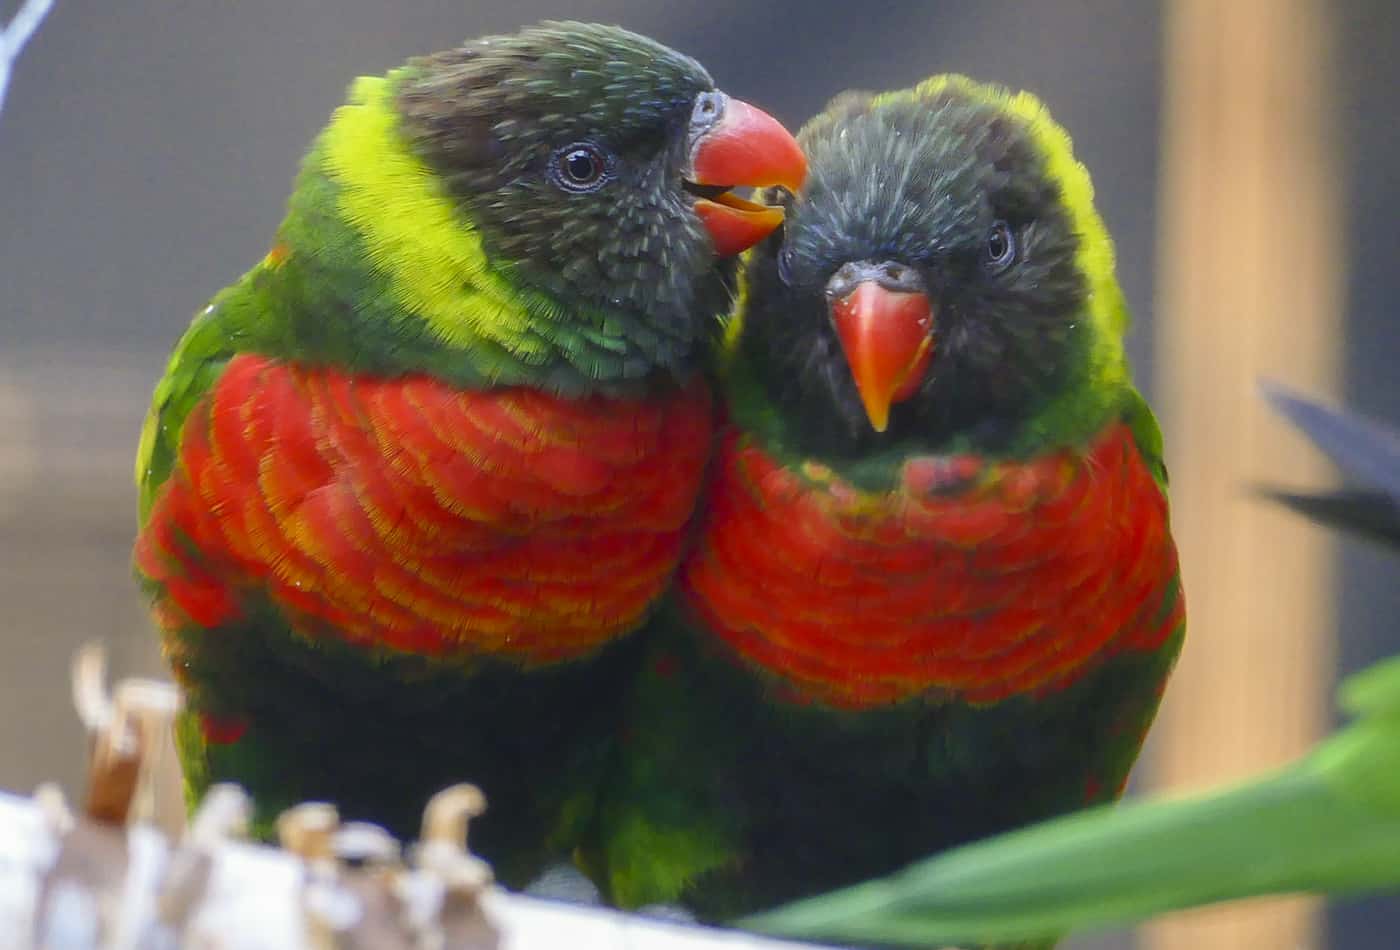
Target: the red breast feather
pixel 973 580
pixel 406 514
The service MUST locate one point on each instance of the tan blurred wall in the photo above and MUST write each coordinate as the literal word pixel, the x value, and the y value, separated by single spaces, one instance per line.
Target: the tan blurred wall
pixel 1251 287
pixel 67 511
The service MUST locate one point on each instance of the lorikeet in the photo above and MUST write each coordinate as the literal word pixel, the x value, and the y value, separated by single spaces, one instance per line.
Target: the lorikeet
pixel 934 594
pixel 406 485
pixel 1326 823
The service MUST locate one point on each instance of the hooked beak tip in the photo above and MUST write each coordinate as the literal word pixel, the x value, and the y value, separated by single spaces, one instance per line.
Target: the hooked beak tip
pixel 888 338
pixel 745 147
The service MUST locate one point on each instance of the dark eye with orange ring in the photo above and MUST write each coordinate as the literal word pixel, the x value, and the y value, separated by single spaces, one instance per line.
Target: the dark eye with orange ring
pixel 1001 248
pixel 580 167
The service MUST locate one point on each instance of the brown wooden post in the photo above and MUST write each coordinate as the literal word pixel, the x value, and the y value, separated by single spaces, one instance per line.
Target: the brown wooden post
pixel 1250 273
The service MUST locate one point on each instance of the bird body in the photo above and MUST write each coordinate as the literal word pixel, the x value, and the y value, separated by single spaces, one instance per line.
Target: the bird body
pixel 409 483
pixel 933 594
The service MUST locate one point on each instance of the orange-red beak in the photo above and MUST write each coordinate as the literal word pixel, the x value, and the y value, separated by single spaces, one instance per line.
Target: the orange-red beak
pixel 743 147
pixel 888 339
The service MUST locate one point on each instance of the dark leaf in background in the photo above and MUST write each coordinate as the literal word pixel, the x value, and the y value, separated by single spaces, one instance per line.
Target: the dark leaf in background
pixel 1372 515
pixel 1365 448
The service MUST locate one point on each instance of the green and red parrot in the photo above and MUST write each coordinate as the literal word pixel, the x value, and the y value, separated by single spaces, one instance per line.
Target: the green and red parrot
pixel 407 486
pixel 934 593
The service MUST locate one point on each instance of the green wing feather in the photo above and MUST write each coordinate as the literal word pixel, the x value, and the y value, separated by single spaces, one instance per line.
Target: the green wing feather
pixel 1146 433
pixel 650 840
pixel 194 367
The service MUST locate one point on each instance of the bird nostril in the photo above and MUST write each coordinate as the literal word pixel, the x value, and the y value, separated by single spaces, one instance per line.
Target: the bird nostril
pixel 843 281
pixel 707 108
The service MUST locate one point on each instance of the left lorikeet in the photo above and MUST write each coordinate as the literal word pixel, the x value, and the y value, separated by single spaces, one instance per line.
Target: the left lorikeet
pixel 934 595
pixel 407 484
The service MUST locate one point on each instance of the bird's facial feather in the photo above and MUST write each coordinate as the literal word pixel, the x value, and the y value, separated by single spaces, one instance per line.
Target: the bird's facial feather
pixel 954 187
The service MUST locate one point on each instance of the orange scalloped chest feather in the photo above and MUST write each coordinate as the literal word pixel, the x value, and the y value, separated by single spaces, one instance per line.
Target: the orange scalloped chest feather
pixel 405 514
pixel 970 579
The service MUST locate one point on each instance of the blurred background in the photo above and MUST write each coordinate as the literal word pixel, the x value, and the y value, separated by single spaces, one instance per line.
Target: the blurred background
pixel 1245 160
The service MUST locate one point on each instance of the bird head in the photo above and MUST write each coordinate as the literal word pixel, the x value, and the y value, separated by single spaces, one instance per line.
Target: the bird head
pixel 937 275
pixel 597 167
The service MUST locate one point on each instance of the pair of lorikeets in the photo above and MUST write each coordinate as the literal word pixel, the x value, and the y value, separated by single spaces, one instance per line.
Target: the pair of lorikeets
pixel 731 586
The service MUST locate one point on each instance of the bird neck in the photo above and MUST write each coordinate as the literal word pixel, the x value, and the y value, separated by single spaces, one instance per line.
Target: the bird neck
pixel 797 429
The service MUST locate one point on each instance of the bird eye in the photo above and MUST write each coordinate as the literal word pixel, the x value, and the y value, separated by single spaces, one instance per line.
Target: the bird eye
pixel 1001 247
pixel 580 167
